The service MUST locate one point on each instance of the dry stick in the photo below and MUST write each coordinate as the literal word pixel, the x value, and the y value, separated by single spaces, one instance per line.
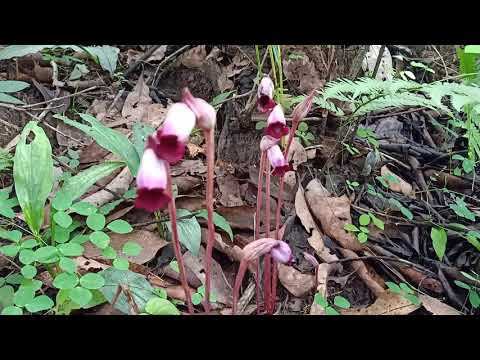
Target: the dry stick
pixel 257 222
pixel 60 98
pixel 176 241
pixel 210 145
pixel 267 262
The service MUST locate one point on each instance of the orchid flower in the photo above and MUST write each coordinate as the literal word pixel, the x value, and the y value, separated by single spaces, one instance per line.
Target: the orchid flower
pixel 170 140
pixel 265 95
pixel 276 124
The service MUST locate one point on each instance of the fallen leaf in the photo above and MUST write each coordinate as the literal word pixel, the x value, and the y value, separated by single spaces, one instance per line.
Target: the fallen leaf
pixel 137 102
pixel 158 54
pixel 297 154
pixel 186 183
pixel 150 243
pixel 302 72
pixel 323 271
pixel 387 303
pixel 190 202
pixel 400 185
pixel 85 265
pixel 194 150
pixel 72 132
pixel 239 217
pixel 193 58
pixel 119 214
pixel 156 114
pixel 119 186
pixel 230 189
pixel 420 279
pixel 298 284
pixel 92 153
pixel 192 167
pixel 43 74
pixel 332 212
pixel 436 307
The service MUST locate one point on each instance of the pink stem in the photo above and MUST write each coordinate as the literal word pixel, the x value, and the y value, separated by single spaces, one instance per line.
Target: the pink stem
pixel 277 230
pixel 261 170
pixel 238 282
pixel 295 122
pixel 210 144
pixel 267 280
pixel 176 242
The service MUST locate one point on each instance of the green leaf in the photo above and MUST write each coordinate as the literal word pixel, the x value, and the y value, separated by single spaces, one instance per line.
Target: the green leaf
pixel 462 284
pixel 351 227
pixel 120 227
pixel 65 281
pixel 460 208
pixel 83 208
pixel 377 222
pixel 107 138
pixel 96 222
pixel 12 51
pixel 40 303
pixel 9 250
pixel 45 253
pixel 32 283
pixel 141 131
pixel 439 241
pixel 303 127
pixel 131 248
pixel 29 271
pixel 12 235
pixel 364 220
pixel 62 219
pixel 107 208
pixel 29 244
pixel 23 296
pixel 121 264
pixel 14 279
pixel 107 56
pixel 79 184
pixel 221 97
pixel 92 281
pixel 9 86
pixel 413 299
pixel 196 298
pixel 142 291
pixel 174 266
pixel 99 239
pixel 109 253
pixel 12 310
pixel 62 201
pixel 8 99
pixel 472 49
pixel 474 299
pixel 60 234
pixel 260 125
pixel 331 311
pixel 341 302
pixel 407 289
pixel 78 71
pixel 33 174
pixel 393 287
pixel 364 229
pixel 80 295
pixel 320 300
pixel 67 265
pixel 362 237
pixel 189 231
pixel 6 295
pixel 407 213
pixel 159 306
pixel 79 239
pixel 70 249
pixel 218 220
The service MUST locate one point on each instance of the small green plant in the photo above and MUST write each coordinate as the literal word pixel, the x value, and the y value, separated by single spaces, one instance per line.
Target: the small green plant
pixel 362 231
pixel 439 241
pixel 351 149
pixel 460 208
pixel 369 135
pixel 467 165
pixel 352 184
pixel 304 134
pixel 473 295
pixel 404 290
pixel 199 295
pixel 218 100
pixel 338 302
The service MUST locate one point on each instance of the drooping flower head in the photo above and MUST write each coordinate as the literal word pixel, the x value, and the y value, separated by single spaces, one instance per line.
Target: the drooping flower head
pixel 267 142
pixel 279 250
pixel 170 140
pixel 204 112
pixel 151 183
pixel 276 124
pixel 265 95
pixel 277 160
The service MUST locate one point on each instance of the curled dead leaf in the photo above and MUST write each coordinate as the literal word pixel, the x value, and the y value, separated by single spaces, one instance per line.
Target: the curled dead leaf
pixel 436 307
pixel 230 189
pixel 398 185
pixel 137 102
pixel 295 282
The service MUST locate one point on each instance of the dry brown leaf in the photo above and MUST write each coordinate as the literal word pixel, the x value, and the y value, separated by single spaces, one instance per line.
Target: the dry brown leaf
pixel 119 214
pixel 92 153
pixel 192 167
pixel 193 58
pixel 315 241
pixel 297 154
pixel 400 186
pixel 295 282
pixel 158 54
pixel 323 271
pixel 72 133
pixel 156 114
pixel 137 102
pixel 387 303
pixel 230 189
pixel 186 183
pixel 194 150
pixel 85 265
pixel 191 203
pixel 119 186
pixel 332 212
pixel 436 307
pixel 420 279
pixel 150 243
pixel 311 154
pixel 239 217
pixel 302 71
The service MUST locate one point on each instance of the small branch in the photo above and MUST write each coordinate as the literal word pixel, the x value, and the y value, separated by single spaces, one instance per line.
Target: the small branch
pixel 379 60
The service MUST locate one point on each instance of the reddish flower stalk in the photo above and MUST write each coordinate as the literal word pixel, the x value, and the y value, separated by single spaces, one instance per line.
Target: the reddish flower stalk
pixel 277 230
pixel 176 241
pixel 267 280
pixel 261 170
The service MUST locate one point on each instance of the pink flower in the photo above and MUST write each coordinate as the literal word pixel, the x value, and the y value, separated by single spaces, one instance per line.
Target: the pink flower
pixel 276 124
pixel 282 253
pixel 170 141
pixel 265 95
pixel 151 183
pixel 277 160
pixel 279 250
pixel 204 112
pixel 267 142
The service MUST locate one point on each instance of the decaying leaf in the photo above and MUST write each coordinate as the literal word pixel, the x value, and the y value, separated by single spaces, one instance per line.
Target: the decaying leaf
pixel 158 54
pixel 398 185
pixel 71 132
pixel 186 183
pixel 297 154
pixel 230 189
pixel 294 281
pixel 302 72
pixel 137 102
pixel 387 303
pixel 239 217
pixel 192 167
pixel 193 58
pixel 194 150
pixel 150 243
pixel 436 307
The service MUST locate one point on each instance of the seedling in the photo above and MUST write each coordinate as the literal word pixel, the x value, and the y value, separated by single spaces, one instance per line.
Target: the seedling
pixel 362 231
pixel 473 295
pixel 302 133
pixel 369 135
pixel 352 184
pixel 331 309
pixel 404 290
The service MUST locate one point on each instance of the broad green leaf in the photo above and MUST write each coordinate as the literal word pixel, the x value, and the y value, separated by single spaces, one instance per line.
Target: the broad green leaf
pixel 60 234
pixel 45 253
pixel 9 99
pixel 377 222
pixel 351 227
pixel 29 244
pixel 65 281
pixel 472 49
pixel 303 127
pixel 461 209
pixel 92 281
pixel 462 284
pixel 320 300
pixel 473 238
pixel 78 185
pixel 12 310
pixel 341 302
pixel 9 250
pixel 121 264
pixel 407 213
pixel 12 51
pixel 138 285
pixel 70 249
pixel 474 299
pixel 40 303
pixel 439 241
pixel 174 266
pixel 221 97
pixel 362 237
pixel 83 208
pixel 218 220
pixel 407 289
pixel 107 208
pixel 80 296
pixel 14 279
pixel 62 201
pixel 78 71
pixel 6 295
pixel 32 283
pixel 29 271
pixel 24 295
pixel 196 298
pixel 189 231
pixel 331 311
pixel 79 239
pixel 412 298
pixel 364 230
pixel 159 306
pixel 12 235
pixel 107 138
pixel 107 56
pixel 131 248
pixel 96 222
pixel 99 239
pixel 120 227
pixel 67 265
pixel 393 287
pixel 33 174
pixel 260 125
pixel 109 253
pixel 364 220
pixel 62 219
pixel 9 86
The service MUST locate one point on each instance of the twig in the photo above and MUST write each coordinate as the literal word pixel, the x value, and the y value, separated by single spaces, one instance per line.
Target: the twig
pixel 145 56
pixel 379 60
pixel 164 61
pixel 59 98
pixel 441 58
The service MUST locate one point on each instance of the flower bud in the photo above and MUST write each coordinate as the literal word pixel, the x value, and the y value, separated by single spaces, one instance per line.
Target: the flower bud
pixel 265 100
pixel 204 112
